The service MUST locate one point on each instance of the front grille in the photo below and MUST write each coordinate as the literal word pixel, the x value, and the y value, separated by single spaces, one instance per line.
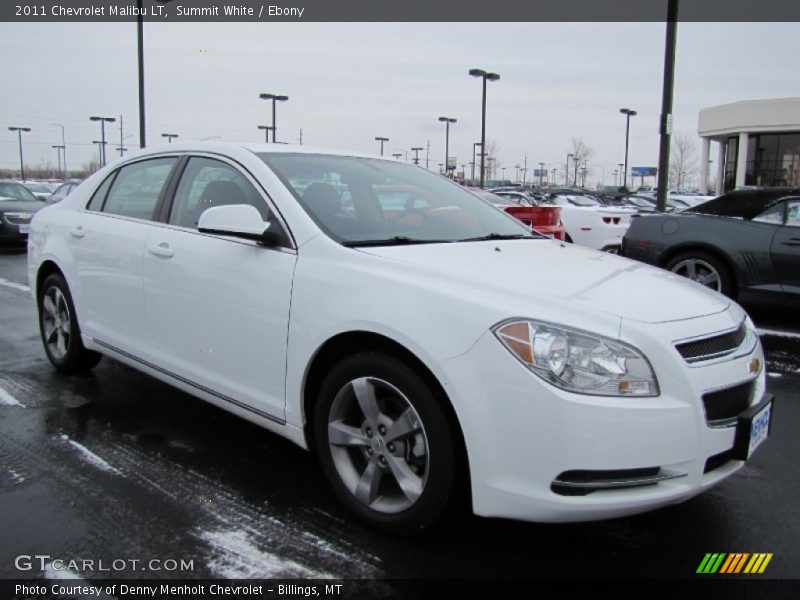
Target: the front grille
pixel 18 218
pixel 723 406
pixel 712 347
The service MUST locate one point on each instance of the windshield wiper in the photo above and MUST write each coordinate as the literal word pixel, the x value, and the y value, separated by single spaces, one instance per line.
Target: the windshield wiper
pixel 398 240
pixel 500 236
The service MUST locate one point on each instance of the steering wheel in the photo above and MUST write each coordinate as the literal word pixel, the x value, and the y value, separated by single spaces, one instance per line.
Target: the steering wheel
pixel 397 217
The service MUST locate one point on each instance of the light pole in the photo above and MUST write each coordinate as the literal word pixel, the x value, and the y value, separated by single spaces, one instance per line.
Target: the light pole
pixel 447 121
pixel 566 173
pixel 620 165
pixel 19 131
pixel 516 174
pixel 99 144
pixel 474 155
pixel 58 150
pixel 541 173
pixel 103 121
pixel 169 136
pixel 416 152
pixel 275 98
pixel 490 77
pixel 554 176
pixel 63 147
pixel 381 140
pixel 628 114
pixel 503 173
pixel 266 129
pixel 397 155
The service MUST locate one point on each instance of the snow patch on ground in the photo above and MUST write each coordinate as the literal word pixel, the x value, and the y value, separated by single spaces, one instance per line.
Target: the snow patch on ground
pixel 14 285
pixel 9 400
pixel 15 477
pixel 778 333
pixel 234 556
pixel 775 375
pixel 91 457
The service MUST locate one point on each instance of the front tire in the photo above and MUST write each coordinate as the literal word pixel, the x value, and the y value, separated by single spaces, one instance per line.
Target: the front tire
pixel 58 325
pixel 384 443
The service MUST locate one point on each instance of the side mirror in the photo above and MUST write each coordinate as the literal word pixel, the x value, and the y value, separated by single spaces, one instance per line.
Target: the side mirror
pixel 240 220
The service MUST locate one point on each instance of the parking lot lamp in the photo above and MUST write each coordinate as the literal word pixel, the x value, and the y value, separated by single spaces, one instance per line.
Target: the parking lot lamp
pixel 381 140
pixel 447 121
pixel 103 121
pixel 275 98
pixel 19 131
pixel 628 114
pixel 486 77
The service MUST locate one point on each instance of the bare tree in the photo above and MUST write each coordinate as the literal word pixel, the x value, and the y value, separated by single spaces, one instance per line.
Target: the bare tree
pixel 581 153
pixel 683 160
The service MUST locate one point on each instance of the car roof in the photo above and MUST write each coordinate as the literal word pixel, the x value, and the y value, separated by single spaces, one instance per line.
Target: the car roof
pixel 218 147
pixel 746 204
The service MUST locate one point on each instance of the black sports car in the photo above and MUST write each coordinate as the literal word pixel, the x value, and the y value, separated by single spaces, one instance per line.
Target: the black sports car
pixel 745 244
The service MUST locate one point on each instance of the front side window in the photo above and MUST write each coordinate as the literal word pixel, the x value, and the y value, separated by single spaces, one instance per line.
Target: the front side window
pixel 206 183
pixel 372 201
pixel 137 186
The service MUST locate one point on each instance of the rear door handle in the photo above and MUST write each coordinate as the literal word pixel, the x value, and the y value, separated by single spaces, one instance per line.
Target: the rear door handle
pixel 163 249
pixel 77 232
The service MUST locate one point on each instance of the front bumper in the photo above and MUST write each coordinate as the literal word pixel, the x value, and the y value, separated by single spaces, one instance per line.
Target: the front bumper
pixel 522 435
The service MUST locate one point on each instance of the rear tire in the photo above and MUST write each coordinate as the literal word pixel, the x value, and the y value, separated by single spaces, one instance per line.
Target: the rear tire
pixel 385 444
pixel 58 325
pixel 706 269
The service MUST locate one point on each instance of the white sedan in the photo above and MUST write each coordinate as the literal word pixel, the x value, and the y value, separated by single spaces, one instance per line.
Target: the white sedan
pixel 427 356
pixel 590 223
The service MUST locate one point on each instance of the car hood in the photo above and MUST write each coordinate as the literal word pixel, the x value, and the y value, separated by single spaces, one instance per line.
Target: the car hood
pixel 30 206
pixel 551 271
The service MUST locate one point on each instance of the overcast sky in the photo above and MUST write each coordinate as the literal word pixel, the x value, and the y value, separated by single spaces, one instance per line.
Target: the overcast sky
pixel 348 83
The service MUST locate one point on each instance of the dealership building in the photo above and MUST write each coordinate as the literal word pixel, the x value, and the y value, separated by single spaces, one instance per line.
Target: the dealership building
pixel 758 143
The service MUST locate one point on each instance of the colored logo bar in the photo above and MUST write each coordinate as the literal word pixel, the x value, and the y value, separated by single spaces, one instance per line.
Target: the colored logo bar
pixel 731 563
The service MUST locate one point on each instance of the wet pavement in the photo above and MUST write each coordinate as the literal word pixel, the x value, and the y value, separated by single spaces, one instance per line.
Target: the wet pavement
pixel 116 465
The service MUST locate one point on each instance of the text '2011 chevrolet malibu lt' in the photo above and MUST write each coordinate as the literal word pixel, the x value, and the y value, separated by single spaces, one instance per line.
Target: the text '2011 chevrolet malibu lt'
pixel 429 348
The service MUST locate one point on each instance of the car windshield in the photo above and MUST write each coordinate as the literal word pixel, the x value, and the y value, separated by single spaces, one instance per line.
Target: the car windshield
pixel 15 191
pixel 38 187
pixel 582 201
pixel 362 201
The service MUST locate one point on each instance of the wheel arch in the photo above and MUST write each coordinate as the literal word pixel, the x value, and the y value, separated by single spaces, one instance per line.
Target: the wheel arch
pixel 352 342
pixel 47 268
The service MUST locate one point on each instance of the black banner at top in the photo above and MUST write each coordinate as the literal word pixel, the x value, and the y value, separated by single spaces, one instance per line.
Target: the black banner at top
pixel 396 11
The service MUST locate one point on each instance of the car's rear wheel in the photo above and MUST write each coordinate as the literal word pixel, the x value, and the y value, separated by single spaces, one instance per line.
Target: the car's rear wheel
pixel 705 269
pixel 58 324
pixel 384 443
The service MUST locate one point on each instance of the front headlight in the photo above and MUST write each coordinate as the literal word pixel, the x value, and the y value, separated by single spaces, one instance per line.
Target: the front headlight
pixel 578 361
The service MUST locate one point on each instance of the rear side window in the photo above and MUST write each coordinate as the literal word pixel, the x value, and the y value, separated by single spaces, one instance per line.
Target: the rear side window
pixel 793 212
pixel 136 188
pixel 96 203
pixel 773 215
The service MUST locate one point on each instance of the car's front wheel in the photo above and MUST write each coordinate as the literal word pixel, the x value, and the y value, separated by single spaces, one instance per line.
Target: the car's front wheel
pixel 705 269
pixel 384 443
pixel 58 324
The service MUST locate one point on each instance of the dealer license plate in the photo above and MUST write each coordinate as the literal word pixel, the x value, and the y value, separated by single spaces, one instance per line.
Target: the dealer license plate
pixel 759 429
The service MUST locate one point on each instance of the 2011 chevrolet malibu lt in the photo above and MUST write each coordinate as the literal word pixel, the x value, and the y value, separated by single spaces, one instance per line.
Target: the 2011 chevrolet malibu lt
pixel 429 352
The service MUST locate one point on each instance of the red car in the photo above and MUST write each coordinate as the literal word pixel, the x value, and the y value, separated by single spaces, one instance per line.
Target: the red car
pixel 544 219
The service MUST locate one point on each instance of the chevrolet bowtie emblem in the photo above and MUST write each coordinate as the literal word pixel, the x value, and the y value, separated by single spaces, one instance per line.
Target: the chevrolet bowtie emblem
pixel 754 366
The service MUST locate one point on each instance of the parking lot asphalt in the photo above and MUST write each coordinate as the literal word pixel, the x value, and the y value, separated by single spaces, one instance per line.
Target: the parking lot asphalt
pixel 115 464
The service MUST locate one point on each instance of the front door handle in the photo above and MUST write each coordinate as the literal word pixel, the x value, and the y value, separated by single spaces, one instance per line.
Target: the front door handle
pixel 792 242
pixel 163 250
pixel 77 231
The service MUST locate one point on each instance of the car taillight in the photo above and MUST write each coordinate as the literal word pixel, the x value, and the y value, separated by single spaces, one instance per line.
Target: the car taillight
pixel 606 219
